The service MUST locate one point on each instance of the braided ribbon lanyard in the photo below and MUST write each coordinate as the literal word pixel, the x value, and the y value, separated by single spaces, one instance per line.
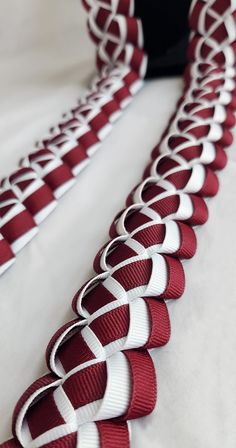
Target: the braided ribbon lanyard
pixel 102 374
pixel 31 193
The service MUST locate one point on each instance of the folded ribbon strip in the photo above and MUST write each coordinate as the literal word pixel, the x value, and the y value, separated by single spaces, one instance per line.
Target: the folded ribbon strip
pixel 102 374
pixel 48 172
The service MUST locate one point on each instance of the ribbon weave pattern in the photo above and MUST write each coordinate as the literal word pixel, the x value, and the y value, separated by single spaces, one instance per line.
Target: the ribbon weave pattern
pixel 31 193
pixel 102 374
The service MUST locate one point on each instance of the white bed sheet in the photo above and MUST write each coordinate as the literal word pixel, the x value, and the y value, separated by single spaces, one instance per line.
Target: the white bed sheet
pixel 46 62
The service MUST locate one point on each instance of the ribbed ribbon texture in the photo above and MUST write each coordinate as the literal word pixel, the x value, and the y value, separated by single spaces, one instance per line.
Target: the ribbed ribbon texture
pixel 31 193
pixel 101 373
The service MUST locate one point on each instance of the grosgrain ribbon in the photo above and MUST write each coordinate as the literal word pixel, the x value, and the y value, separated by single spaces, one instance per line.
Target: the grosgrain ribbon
pixel 102 374
pixel 50 171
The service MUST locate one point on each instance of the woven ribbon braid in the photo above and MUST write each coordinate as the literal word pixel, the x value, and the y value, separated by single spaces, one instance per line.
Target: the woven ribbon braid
pixel 102 374
pixel 31 192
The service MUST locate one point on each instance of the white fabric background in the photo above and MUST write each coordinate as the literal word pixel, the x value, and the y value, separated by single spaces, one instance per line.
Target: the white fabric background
pixel 46 61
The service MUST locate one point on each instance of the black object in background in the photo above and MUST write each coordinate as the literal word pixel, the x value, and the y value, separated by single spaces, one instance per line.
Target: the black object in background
pixel 166 32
